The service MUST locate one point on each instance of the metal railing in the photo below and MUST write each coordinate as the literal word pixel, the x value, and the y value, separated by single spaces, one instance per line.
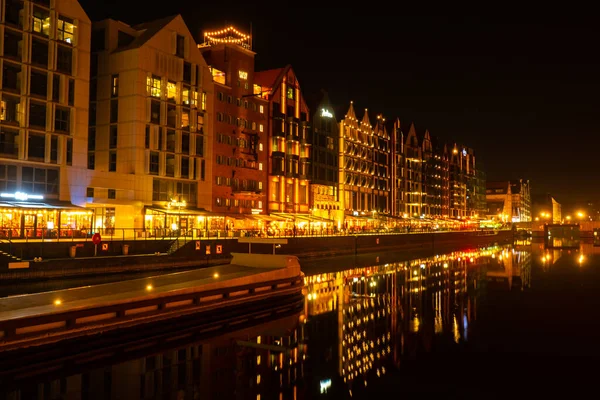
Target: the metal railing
pixel 135 234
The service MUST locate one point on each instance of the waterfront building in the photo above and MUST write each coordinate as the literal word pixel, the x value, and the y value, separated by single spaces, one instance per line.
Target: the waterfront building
pixel 324 177
pixel 545 208
pixel 150 136
pixel 480 192
pixel 509 201
pixel 44 56
pixel 521 200
pixel 432 165
pixel 287 133
pixel 397 177
pixel 462 182
pixel 357 170
pixel 382 169
pixel 240 122
pixel 413 169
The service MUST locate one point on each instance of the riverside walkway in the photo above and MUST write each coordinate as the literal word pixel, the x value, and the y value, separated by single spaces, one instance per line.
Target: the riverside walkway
pixel 88 309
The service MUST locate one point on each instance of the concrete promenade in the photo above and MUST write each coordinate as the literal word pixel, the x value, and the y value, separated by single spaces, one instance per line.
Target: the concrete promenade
pixel 108 306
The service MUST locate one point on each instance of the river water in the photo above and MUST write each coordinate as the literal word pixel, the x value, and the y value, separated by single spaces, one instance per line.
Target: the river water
pixel 517 321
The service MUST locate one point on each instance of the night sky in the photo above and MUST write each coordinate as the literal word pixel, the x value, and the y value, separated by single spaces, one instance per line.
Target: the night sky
pixel 523 92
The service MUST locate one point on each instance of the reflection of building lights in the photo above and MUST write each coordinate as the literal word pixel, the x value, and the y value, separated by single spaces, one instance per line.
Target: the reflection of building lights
pixel 581 259
pixel 415 272
pixel 445 265
pixel 57 302
pixel 148 287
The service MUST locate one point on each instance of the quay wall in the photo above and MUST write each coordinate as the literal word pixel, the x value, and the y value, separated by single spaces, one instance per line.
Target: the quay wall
pixel 194 253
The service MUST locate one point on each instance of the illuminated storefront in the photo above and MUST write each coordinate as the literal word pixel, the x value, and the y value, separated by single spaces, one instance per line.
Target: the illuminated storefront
pixel 29 216
pixel 177 219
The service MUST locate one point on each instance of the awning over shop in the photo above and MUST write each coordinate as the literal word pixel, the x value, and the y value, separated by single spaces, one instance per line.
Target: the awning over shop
pixel 183 211
pixel 58 205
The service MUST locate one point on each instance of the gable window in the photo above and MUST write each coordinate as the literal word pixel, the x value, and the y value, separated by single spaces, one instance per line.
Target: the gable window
pixel 112 161
pixel 13 42
pixel 39 83
pixel 64 60
pixel 37 115
pixel 36 147
pixel 180 50
pixel 62 119
pixel 154 86
pixel 39 52
pixel 10 109
pixel 171 91
pixel 41 21
pixel 114 92
pixel 154 159
pixel 112 137
pixel 65 29
pixel 9 142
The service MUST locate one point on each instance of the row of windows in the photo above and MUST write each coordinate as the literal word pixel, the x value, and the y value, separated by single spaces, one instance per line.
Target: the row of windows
pixel 173 92
pixel 242 143
pixel 32 180
pixel 239 102
pixel 227 202
pixel 111 193
pixel 39 146
pixel 240 122
pixel 50 86
pixel 41 22
pixel 10 113
pixel 237 162
pixel 236 184
pixel 39 54
pixel 167 189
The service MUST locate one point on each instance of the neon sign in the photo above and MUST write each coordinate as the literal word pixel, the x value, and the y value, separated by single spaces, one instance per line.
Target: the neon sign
pixel 22 196
pixel 325 113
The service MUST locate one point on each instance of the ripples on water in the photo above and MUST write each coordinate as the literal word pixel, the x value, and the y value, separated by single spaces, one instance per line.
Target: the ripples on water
pixel 499 320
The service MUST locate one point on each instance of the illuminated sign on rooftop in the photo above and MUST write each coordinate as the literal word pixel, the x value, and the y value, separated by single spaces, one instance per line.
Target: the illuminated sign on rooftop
pixel 325 113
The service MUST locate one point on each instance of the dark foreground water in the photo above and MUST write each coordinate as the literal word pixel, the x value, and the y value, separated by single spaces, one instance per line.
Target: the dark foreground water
pixel 501 322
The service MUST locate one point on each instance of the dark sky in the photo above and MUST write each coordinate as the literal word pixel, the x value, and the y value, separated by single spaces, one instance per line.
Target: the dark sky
pixel 522 91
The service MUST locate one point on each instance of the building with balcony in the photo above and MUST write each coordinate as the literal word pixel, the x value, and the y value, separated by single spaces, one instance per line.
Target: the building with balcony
pixel 240 122
pixel 324 178
pixel 287 133
pixel 44 57
pixel 149 150
pixel 413 193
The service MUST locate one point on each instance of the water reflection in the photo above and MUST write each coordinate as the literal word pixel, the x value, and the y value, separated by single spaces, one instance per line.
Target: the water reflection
pixel 358 325
pixel 386 313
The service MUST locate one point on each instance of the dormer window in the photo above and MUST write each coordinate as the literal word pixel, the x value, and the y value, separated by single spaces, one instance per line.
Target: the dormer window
pixel 66 29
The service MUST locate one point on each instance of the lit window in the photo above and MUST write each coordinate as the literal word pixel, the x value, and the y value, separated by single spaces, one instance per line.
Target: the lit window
pixel 203 104
pixel 154 86
pixel 260 127
pixel 262 109
pixel 185 95
pixel 260 202
pixel 41 21
pixel 260 147
pixel 218 76
pixel 260 166
pixel 171 91
pixel 65 29
pixel 115 85
pixel 290 93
